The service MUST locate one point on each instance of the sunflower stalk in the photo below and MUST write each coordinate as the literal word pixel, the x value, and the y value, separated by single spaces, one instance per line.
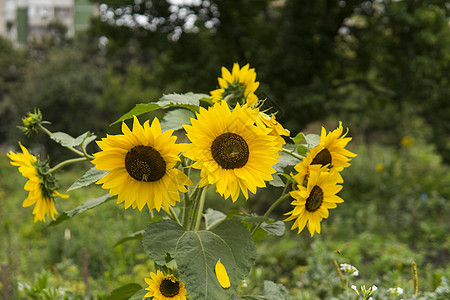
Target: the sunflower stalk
pixel 68 162
pixel 283 196
pixel 196 195
pixel 200 209
pixel 292 153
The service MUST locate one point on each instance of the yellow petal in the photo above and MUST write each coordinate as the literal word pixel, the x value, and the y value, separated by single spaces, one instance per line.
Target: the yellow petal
pixel 222 275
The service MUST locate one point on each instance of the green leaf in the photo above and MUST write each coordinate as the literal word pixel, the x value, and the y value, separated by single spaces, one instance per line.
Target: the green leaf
pixel 91 176
pixel 124 292
pixel 276 181
pixel 299 138
pixel 276 228
pixel 188 100
pixel 312 140
pixel 213 217
pixel 134 236
pixel 286 160
pixel 160 238
pixel 302 150
pixel 175 119
pixel 88 204
pixel 274 291
pixel 88 140
pixel 140 295
pixel 68 141
pixel 196 254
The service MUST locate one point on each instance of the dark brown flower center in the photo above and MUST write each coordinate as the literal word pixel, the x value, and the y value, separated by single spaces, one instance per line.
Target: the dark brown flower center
pixel 169 288
pixel 230 151
pixel 315 199
pixel 322 158
pixel 144 163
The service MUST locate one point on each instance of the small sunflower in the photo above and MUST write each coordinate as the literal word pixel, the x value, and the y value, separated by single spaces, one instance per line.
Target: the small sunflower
pixel 329 152
pixel 41 184
pixel 165 287
pixel 312 202
pixel 239 86
pixel 141 166
pixel 230 150
pixel 277 130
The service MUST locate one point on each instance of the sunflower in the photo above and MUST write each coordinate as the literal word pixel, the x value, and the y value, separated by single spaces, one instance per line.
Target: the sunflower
pixel 230 150
pixel 239 86
pixel 165 287
pixel 277 130
pixel 41 185
pixel 312 202
pixel 329 152
pixel 141 166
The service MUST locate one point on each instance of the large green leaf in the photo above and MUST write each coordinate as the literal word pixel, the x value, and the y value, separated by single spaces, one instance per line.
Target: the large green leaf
pixel 196 254
pixel 88 204
pixel 189 101
pixel 160 239
pixel 91 176
pixel 124 292
pixel 175 119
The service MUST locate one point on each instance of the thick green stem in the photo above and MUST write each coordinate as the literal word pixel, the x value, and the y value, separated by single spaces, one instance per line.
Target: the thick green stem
pixel 67 162
pixel 200 209
pixel 272 207
pixel 292 153
pixel 195 199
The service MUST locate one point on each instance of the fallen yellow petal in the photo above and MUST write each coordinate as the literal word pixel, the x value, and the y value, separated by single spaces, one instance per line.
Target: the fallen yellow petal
pixel 222 275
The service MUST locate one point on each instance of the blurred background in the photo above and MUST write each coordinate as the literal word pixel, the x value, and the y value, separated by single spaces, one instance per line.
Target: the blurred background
pixel 382 67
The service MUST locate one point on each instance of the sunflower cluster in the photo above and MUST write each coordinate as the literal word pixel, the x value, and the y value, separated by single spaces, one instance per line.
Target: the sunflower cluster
pixel 318 180
pixel 233 144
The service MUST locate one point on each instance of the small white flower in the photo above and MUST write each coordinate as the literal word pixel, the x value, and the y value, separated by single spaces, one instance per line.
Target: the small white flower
pixel 370 298
pixel 353 287
pixel 395 291
pixel 374 288
pixel 349 269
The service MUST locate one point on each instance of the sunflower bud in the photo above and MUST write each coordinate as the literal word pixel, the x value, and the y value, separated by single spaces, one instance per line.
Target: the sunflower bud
pixel 32 122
